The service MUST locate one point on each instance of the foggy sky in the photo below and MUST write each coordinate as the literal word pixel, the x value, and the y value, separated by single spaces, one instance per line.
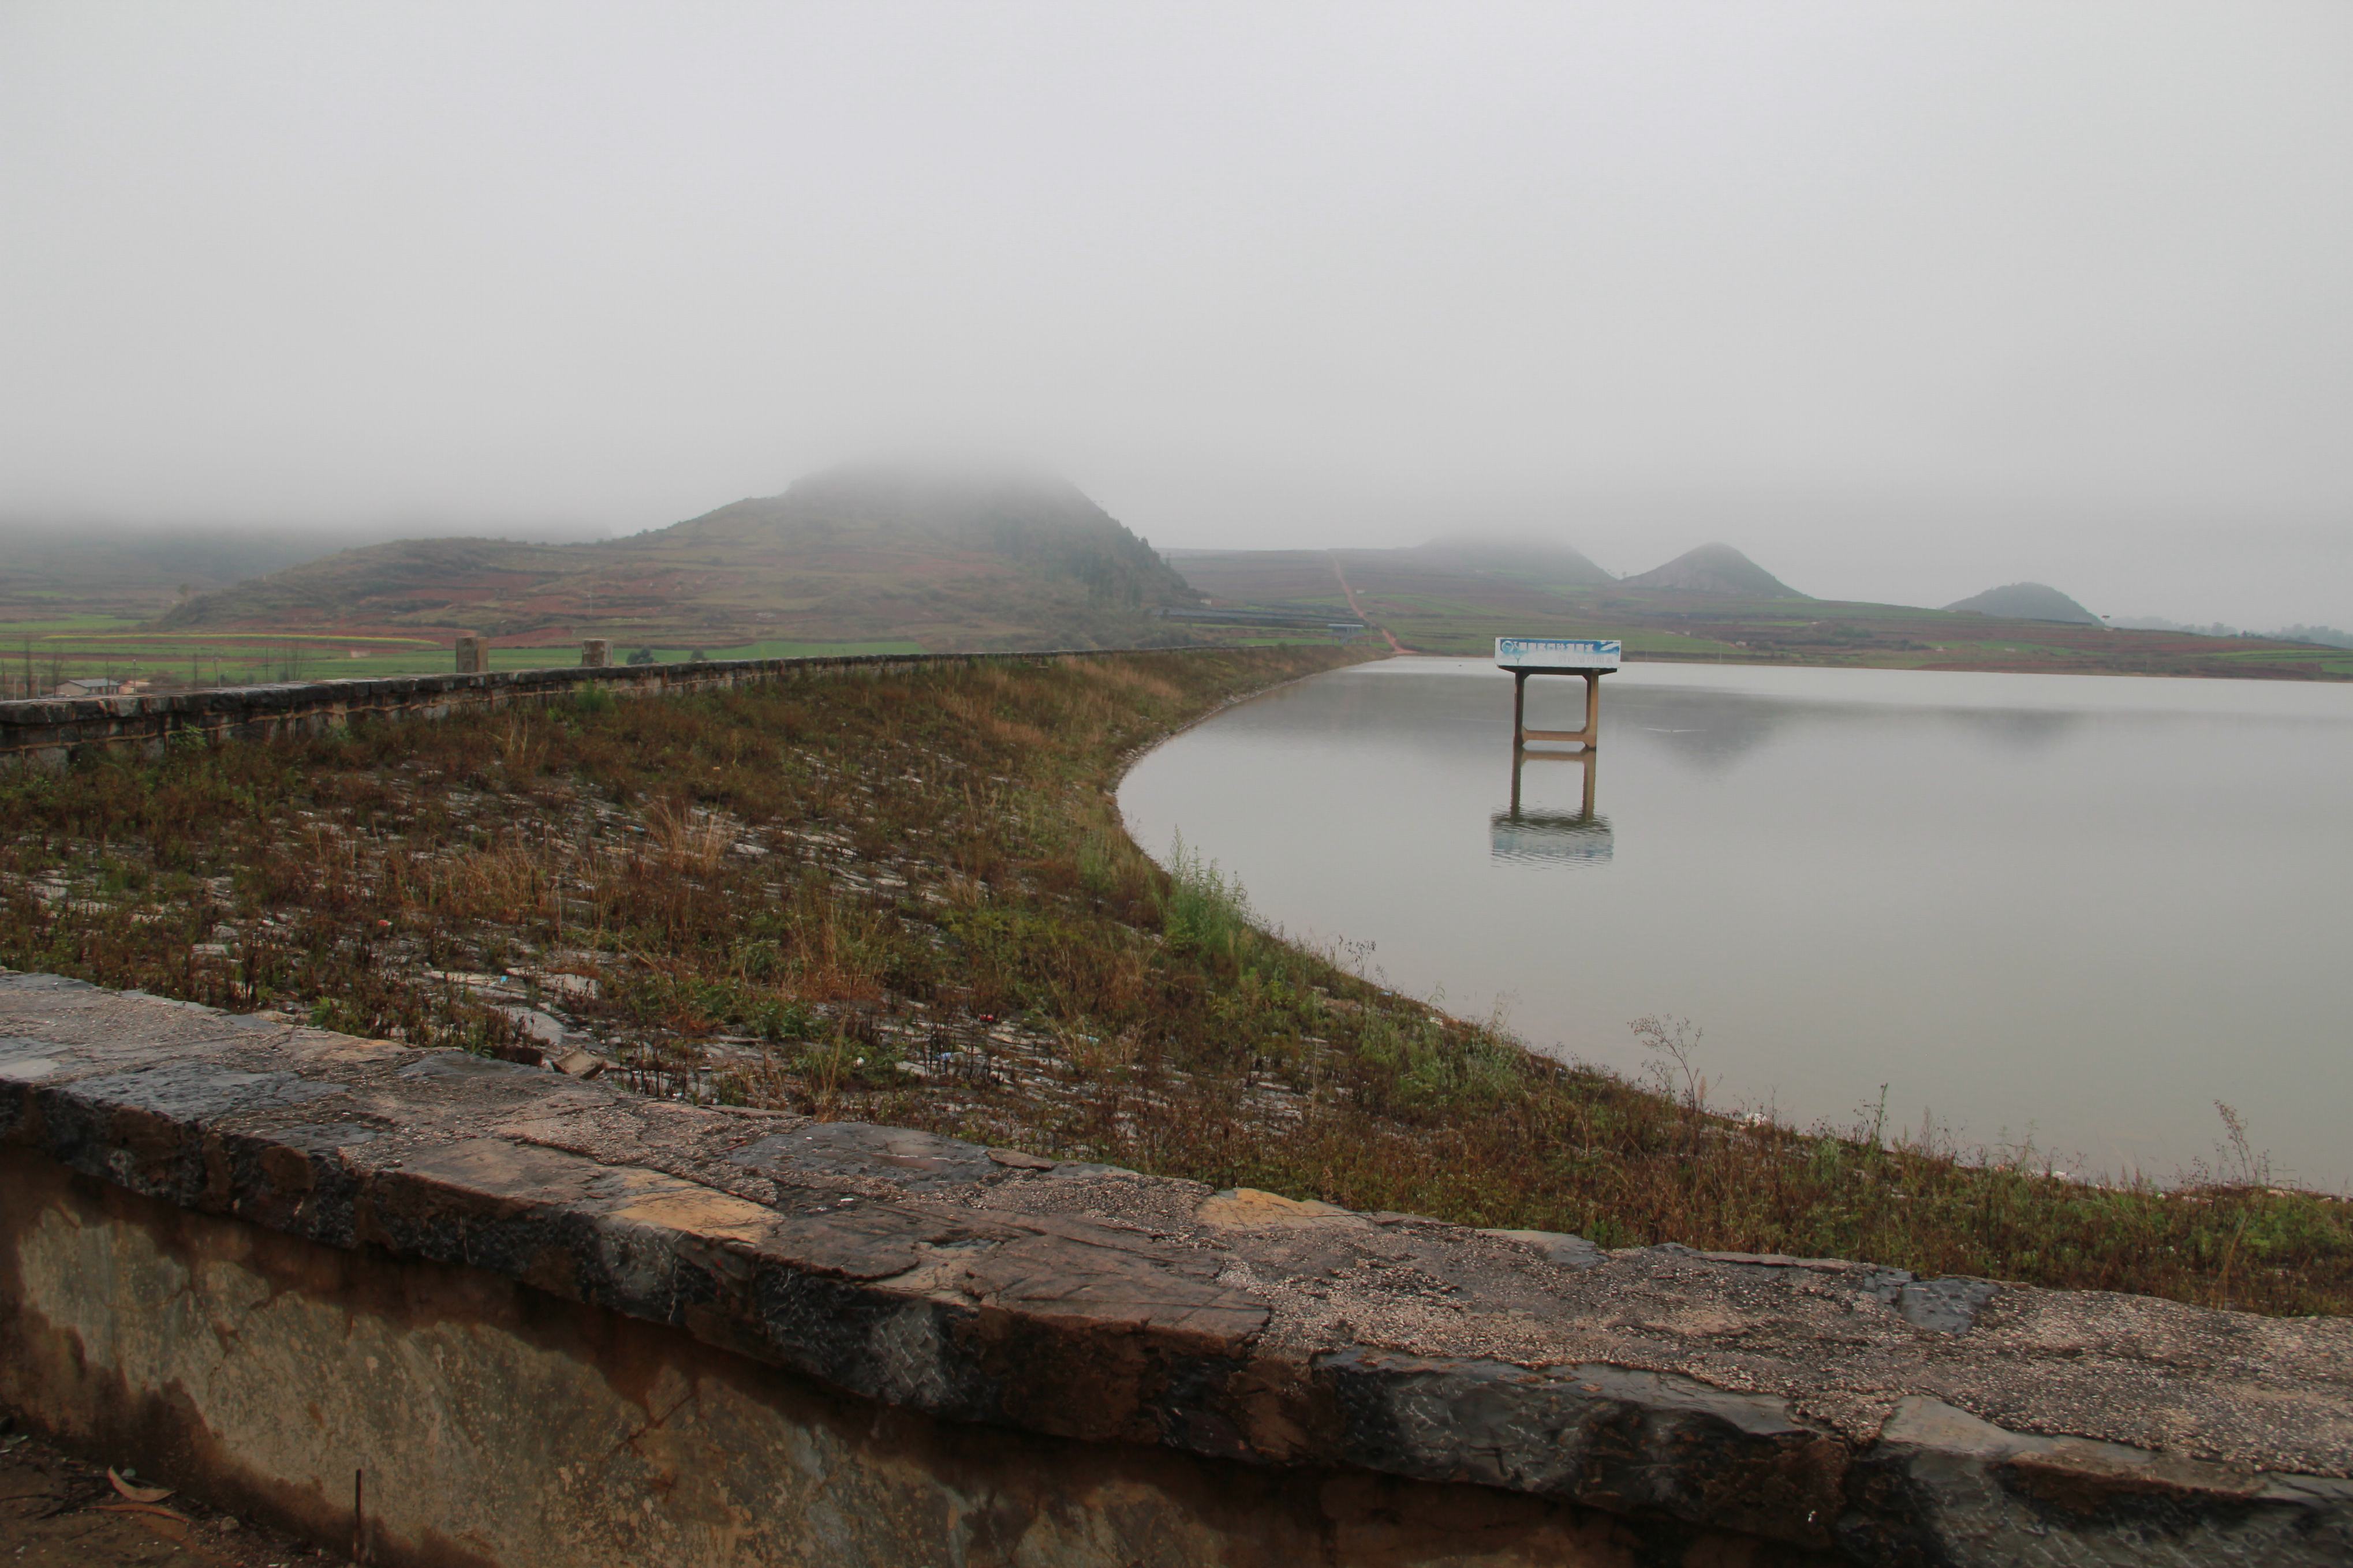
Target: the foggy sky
pixel 1905 300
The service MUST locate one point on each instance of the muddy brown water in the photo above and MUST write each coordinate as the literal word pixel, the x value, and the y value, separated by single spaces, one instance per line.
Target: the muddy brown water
pixel 2074 912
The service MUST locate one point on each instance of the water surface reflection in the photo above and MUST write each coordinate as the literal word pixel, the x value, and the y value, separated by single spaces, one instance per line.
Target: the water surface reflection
pixel 2077 909
pixel 1573 835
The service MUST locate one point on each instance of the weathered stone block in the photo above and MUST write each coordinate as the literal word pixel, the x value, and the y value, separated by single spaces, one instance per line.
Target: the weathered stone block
pixel 192 1202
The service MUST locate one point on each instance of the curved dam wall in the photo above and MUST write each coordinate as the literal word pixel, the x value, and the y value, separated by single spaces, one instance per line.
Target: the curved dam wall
pixel 51 731
pixel 432 1309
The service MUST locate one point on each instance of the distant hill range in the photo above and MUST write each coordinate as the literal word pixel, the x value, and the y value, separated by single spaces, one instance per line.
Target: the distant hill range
pixel 904 555
pixel 1305 578
pixel 2319 636
pixel 1533 561
pixel 1714 569
pixel 2026 602
pixel 1713 604
pixel 121 569
pixel 945 558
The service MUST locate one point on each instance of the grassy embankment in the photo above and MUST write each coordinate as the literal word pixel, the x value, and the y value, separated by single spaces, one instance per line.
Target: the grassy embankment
pixel 908 898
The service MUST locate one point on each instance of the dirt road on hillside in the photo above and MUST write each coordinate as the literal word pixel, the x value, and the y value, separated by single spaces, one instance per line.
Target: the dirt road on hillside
pixel 1395 646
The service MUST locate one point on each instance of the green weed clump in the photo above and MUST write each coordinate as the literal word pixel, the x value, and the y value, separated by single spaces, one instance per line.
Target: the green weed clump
pixel 1203 912
pixel 909 899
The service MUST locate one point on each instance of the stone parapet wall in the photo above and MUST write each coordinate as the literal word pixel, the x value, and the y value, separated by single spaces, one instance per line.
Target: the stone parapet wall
pixel 432 1415
pixel 52 731
pixel 543 1312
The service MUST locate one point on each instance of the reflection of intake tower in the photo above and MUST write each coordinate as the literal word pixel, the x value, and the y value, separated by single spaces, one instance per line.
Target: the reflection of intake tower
pixel 1517 835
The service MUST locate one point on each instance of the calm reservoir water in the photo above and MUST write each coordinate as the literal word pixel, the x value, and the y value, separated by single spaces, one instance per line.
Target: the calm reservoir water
pixel 2078 909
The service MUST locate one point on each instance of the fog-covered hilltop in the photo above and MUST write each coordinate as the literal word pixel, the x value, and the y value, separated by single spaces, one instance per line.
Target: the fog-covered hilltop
pixel 1530 560
pixel 947 557
pixel 1041 522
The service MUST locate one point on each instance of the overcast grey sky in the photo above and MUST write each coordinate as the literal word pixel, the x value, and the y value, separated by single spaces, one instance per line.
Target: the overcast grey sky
pixel 1904 299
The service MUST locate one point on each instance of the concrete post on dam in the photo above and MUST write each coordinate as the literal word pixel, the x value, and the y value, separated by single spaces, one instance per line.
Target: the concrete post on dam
pixel 473 654
pixel 1590 657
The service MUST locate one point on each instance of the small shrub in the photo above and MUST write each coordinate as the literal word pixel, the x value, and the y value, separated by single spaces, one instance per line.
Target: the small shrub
pixel 1203 911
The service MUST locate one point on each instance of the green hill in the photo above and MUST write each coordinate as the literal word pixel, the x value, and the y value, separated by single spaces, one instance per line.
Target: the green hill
pixel 1714 569
pixel 2027 602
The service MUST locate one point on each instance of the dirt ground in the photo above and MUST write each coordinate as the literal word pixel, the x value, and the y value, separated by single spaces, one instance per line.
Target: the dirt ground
pixel 57 1512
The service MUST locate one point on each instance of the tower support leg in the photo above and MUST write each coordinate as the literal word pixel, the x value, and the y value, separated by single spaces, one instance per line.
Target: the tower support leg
pixel 1587 737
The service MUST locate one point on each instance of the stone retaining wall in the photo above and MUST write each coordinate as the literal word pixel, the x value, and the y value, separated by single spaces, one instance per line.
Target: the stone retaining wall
pixel 448 1310
pixel 420 1413
pixel 52 731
